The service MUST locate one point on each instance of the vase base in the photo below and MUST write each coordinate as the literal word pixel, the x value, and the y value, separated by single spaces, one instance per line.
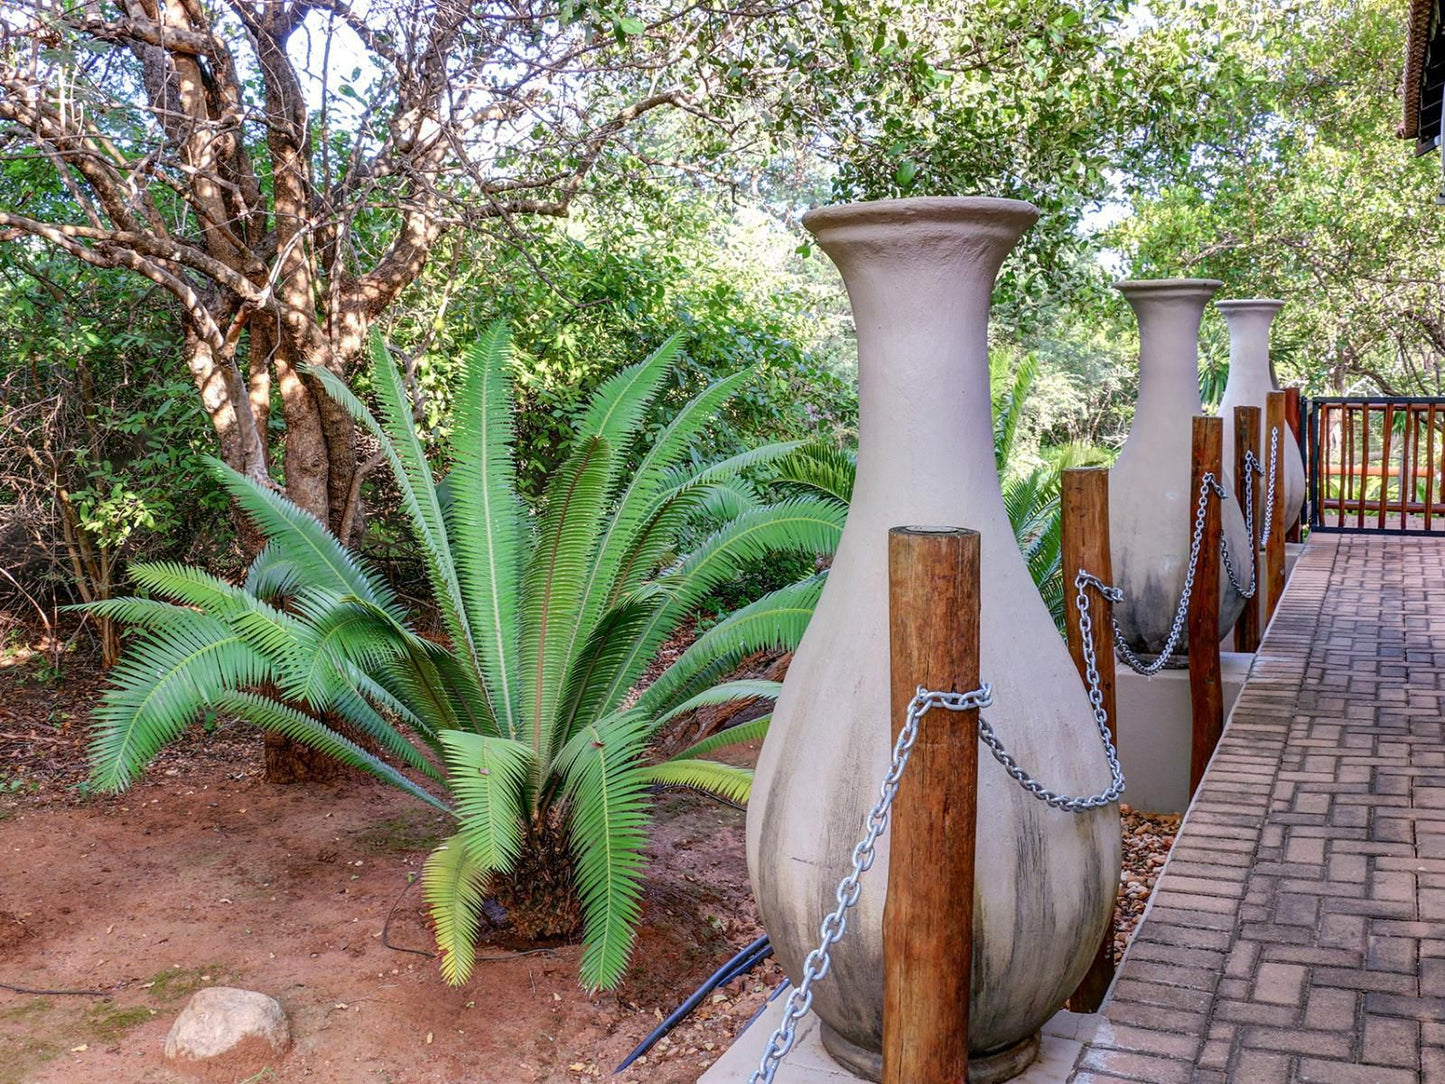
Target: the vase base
pixel 991 1068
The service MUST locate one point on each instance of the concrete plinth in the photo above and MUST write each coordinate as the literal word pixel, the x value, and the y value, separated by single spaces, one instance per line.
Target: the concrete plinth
pixel 1064 1035
pixel 1156 731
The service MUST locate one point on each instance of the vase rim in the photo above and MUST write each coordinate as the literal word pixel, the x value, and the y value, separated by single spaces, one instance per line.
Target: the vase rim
pixel 1248 304
pixel 1014 213
pixel 1169 287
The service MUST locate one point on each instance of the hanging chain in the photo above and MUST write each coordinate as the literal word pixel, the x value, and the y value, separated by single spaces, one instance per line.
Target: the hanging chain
pixel 1181 613
pixel 990 738
pixel 1208 485
pixel 820 961
pixel 1269 497
pixel 1252 465
pixel 835 924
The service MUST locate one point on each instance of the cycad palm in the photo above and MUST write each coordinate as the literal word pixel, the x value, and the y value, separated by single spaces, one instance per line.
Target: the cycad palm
pixel 522 717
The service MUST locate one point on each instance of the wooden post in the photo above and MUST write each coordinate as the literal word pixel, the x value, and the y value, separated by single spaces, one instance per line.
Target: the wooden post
pixel 1206 690
pixel 1246 491
pixel 1085 522
pixel 1274 550
pixel 1292 415
pixel 933 599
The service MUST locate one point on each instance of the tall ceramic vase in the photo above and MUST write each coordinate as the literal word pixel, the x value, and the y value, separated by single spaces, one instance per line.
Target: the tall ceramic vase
pixel 1251 379
pixel 1151 501
pixel 919 273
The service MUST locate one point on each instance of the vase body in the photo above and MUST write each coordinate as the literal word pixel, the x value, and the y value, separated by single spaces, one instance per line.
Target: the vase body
pixel 919 275
pixel 1151 500
pixel 1251 379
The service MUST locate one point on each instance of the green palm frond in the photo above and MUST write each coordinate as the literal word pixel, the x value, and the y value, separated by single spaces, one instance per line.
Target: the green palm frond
pixel 401 447
pixel 677 477
pixel 616 552
pixel 728 692
pixel 273 574
pixel 554 585
pixel 724 780
pixel 454 887
pixel 603 775
pixel 487 518
pixel 141 613
pixel 752 730
pixel 488 776
pixel 160 685
pixel 592 681
pixel 806 525
pixel 1009 405
pixel 616 408
pixel 822 469
pixel 317 556
pixel 348 701
pixel 776 621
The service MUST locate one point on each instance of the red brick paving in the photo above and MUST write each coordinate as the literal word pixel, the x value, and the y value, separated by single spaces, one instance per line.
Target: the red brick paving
pixel 1297 933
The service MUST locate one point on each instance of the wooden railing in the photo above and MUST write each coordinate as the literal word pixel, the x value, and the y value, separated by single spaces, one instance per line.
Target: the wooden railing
pixel 1377 464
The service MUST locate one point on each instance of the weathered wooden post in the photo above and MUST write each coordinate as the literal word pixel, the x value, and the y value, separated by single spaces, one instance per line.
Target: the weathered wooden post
pixel 1274 418
pixel 933 606
pixel 1205 687
pixel 1246 491
pixel 1085 545
pixel 1293 416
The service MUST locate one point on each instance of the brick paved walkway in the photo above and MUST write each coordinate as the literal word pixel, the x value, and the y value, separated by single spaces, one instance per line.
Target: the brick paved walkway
pixel 1298 931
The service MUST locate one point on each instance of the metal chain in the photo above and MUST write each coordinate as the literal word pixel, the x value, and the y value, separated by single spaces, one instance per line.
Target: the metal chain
pixel 1252 465
pixel 1181 612
pixel 818 962
pixel 990 737
pixel 1269 497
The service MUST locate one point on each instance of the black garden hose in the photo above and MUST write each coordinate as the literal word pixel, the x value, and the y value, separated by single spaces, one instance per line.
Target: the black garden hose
pixel 740 964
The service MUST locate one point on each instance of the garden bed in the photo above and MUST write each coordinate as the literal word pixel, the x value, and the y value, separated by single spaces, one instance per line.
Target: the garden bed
pixel 204 875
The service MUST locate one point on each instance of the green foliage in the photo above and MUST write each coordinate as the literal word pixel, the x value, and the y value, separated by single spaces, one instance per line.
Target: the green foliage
pixel 623 273
pixel 103 447
pixel 1293 187
pixel 551 615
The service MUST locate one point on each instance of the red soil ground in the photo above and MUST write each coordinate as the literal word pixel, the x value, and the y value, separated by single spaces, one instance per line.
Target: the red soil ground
pixel 204 875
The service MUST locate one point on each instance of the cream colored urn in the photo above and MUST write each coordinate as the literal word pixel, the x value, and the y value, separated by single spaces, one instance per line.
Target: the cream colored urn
pixel 1151 498
pixel 919 274
pixel 1251 379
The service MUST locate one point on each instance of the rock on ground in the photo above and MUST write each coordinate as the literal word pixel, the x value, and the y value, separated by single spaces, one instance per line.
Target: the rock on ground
pixel 222 1020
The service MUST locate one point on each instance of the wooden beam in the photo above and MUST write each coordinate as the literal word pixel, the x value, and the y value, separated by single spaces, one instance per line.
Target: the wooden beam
pixel 1206 689
pixel 1246 491
pixel 1274 549
pixel 1085 545
pixel 933 603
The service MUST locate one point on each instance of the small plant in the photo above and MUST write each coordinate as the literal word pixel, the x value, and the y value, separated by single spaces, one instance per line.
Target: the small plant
pixel 522 722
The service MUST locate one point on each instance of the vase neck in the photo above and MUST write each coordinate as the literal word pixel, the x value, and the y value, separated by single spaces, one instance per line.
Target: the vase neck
pixel 919 275
pixel 1169 354
pixel 1249 324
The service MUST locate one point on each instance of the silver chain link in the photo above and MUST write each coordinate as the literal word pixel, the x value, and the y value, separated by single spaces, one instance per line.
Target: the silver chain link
pixel 1181 613
pixel 990 738
pixel 820 961
pixel 835 924
pixel 1252 465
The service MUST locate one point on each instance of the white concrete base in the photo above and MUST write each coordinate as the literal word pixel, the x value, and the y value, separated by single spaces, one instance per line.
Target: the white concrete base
pixel 1063 1037
pixel 1156 731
